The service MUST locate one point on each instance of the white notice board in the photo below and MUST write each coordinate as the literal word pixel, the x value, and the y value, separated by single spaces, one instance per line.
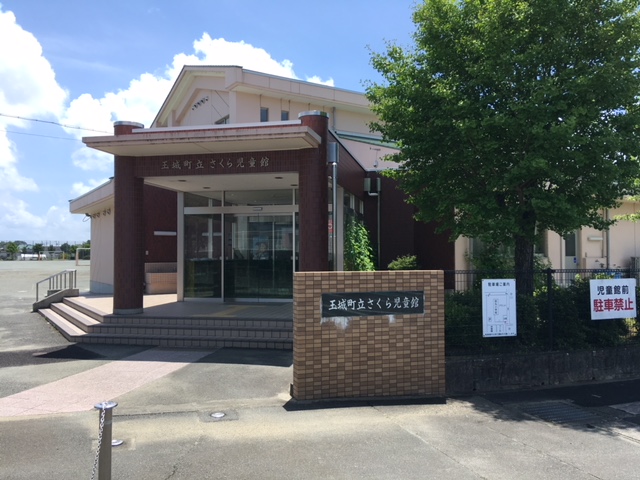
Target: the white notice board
pixel 613 298
pixel 499 308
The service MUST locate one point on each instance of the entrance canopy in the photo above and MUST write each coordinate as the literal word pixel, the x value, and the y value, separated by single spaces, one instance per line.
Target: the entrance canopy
pixel 245 181
pixel 215 158
pixel 290 135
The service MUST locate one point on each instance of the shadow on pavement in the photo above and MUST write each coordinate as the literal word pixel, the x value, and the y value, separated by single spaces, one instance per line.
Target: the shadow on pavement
pixel 296 405
pixel 71 352
pixel 246 356
pixel 591 407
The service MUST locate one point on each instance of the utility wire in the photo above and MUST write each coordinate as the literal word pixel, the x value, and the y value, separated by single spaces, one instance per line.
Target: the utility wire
pixel 52 123
pixel 38 135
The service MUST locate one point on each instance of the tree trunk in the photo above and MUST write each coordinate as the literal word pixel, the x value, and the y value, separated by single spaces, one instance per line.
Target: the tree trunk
pixel 524 265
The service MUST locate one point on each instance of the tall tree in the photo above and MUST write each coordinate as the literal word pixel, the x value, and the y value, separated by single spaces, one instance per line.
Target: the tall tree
pixel 514 115
pixel 13 249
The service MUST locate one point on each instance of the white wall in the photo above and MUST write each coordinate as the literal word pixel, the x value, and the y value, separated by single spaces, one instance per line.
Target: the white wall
pixel 613 249
pixel 102 246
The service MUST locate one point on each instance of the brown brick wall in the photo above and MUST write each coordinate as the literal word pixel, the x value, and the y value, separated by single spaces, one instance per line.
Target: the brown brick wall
pixel 373 356
pixel 314 201
pixel 160 214
pixel 128 250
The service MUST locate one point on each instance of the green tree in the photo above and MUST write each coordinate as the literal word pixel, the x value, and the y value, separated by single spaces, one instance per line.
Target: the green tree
pixel 13 249
pixel 514 115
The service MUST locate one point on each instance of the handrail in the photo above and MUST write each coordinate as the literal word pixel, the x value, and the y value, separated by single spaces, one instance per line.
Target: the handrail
pixel 59 281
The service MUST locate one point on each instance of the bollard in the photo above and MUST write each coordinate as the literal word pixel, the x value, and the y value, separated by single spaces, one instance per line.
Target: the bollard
pixel 103 455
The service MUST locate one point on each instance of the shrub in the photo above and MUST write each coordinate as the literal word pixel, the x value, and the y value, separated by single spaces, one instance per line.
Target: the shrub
pixel 358 254
pixel 406 262
pixel 463 320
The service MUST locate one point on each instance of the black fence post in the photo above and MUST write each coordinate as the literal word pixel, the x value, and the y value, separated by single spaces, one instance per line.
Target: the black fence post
pixel 550 304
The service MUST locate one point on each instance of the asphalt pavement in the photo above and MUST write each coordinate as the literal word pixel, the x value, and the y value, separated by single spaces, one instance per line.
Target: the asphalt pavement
pixel 227 414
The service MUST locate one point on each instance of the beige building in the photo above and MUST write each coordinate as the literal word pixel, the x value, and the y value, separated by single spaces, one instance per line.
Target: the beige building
pixel 222 168
pixel 223 161
pixel 586 248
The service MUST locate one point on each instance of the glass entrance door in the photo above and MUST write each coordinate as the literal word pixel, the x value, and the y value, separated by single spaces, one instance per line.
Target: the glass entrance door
pixel 259 256
pixel 202 256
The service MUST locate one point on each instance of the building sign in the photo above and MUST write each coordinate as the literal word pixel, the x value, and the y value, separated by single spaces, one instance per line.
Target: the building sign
pixel 216 164
pixel 361 304
pixel 499 308
pixel 613 298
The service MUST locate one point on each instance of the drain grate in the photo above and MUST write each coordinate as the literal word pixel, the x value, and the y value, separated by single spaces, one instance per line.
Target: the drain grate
pixel 559 412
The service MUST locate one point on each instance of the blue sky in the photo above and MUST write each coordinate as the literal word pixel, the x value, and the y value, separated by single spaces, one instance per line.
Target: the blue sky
pixel 79 63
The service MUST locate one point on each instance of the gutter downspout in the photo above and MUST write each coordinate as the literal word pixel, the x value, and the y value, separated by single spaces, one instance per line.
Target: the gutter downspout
pixel 333 154
pixel 379 187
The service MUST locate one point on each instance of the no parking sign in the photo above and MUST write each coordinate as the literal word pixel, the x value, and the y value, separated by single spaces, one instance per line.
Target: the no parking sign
pixel 613 298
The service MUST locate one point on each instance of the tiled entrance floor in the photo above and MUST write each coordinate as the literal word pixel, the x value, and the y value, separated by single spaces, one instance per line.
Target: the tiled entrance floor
pixel 168 306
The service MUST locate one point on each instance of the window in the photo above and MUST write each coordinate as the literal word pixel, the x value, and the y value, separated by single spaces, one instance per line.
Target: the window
pixel 540 245
pixel 264 114
pixel 208 199
pixel 258 197
pixel 284 115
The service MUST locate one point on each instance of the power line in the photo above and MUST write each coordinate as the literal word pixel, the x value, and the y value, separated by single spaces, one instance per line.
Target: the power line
pixel 38 135
pixel 52 123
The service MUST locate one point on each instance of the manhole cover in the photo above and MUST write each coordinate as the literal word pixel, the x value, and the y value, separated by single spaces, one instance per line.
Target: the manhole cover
pixel 558 412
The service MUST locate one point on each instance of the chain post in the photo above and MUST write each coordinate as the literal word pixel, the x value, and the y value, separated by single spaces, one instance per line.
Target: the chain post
pixel 103 454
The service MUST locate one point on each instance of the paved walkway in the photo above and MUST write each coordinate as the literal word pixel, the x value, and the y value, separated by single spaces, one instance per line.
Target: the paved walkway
pixel 82 391
pixel 168 399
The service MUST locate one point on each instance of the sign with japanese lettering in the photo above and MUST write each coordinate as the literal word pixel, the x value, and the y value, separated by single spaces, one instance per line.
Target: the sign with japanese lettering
pixel 216 164
pixel 499 308
pixel 613 298
pixel 361 304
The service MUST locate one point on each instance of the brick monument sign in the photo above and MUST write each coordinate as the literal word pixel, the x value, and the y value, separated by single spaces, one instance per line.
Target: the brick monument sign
pixel 368 335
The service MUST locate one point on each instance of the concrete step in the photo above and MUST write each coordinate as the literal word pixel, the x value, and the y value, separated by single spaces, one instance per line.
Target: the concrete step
pixel 199 322
pixel 85 309
pixel 84 325
pixel 181 330
pixel 68 330
pixel 79 319
pixel 187 341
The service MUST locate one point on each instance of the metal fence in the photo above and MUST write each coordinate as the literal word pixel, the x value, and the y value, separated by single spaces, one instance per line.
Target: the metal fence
pixel 557 316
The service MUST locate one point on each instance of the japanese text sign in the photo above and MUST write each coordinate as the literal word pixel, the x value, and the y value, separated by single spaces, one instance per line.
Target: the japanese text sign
pixel 614 298
pixel 499 308
pixel 360 304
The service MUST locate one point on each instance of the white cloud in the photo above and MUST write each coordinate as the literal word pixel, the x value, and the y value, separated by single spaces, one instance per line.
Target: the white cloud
pixel 91 160
pixel 57 224
pixel 10 179
pixel 15 214
pixel 62 225
pixel 142 100
pixel 27 89
pixel 219 51
pixel 316 79
pixel 28 85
